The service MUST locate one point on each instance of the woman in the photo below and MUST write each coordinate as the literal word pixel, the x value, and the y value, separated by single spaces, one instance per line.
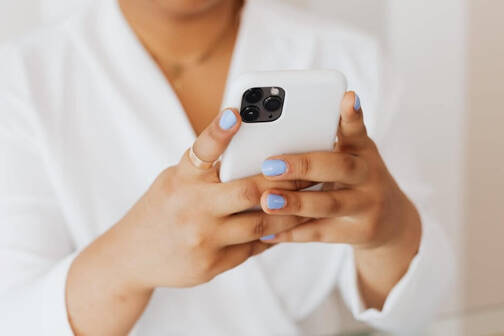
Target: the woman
pixel 95 109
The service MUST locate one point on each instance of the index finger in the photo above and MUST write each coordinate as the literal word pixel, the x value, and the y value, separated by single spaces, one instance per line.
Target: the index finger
pixel 243 194
pixel 317 166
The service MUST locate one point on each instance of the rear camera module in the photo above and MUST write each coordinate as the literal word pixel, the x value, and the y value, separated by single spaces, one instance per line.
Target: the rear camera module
pixel 252 96
pixel 250 113
pixel 272 103
pixel 275 91
pixel 262 104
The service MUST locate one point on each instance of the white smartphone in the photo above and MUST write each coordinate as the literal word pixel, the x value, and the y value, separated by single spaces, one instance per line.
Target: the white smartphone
pixel 283 112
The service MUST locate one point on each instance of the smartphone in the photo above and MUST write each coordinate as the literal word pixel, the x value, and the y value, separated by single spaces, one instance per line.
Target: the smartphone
pixel 283 112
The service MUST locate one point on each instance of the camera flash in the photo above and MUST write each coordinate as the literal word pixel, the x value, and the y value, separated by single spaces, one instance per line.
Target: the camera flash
pixel 275 91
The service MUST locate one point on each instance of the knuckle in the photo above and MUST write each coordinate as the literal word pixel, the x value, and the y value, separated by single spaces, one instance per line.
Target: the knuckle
pixel 317 236
pixel 197 239
pixel 334 206
pixel 173 187
pixel 289 236
pixel 295 204
pixel 260 226
pixel 250 193
pixel 349 164
pixel 304 166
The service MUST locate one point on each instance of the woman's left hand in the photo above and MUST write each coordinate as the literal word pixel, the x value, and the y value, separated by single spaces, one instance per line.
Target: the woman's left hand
pixel 360 204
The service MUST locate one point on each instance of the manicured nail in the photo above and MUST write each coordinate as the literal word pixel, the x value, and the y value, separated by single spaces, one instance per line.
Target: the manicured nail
pixel 357 105
pixel 275 202
pixel 274 167
pixel 270 237
pixel 228 120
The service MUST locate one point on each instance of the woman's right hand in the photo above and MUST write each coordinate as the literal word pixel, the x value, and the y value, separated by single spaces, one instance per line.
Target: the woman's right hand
pixel 188 227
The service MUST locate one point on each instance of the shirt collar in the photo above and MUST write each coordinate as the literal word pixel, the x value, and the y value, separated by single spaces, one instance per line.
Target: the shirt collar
pixel 263 43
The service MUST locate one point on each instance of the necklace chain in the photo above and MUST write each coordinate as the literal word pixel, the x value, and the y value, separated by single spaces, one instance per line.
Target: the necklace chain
pixel 177 69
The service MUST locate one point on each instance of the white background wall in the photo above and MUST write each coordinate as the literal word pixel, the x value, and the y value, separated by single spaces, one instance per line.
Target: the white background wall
pixel 18 16
pixel 450 56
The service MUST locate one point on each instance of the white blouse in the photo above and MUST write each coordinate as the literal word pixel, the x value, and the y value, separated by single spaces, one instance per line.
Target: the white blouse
pixel 87 121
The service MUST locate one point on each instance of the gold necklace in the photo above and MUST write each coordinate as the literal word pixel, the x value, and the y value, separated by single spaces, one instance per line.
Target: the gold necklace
pixel 176 69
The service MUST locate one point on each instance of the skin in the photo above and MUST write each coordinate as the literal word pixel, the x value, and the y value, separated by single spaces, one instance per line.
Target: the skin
pixel 172 30
pixel 185 229
pixel 183 232
pixel 361 205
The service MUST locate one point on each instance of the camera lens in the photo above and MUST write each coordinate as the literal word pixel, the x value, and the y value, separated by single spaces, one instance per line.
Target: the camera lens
pixel 252 96
pixel 272 103
pixel 250 113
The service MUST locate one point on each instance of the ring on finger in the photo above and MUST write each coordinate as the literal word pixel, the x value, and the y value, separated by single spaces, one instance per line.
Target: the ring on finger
pixel 197 162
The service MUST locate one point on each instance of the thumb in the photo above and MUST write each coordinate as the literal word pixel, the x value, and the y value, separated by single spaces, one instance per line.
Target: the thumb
pixel 351 120
pixel 214 140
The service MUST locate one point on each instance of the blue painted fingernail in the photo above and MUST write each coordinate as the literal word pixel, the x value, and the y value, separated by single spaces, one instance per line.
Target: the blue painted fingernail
pixel 270 237
pixel 228 120
pixel 357 105
pixel 275 202
pixel 273 167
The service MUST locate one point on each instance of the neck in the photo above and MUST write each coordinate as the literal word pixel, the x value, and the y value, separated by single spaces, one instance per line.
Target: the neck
pixel 165 32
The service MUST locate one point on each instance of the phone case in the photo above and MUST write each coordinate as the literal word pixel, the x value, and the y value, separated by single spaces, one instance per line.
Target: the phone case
pixel 309 120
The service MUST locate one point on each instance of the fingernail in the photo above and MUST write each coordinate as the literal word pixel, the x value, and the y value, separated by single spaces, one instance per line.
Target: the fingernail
pixel 275 202
pixel 357 105
pixel 273 167
pixel 227 120
pixel 270 237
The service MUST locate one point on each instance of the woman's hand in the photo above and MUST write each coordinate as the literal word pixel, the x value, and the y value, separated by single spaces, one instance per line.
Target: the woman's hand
pixel 360 204
pixel 184 231
pixel 187 228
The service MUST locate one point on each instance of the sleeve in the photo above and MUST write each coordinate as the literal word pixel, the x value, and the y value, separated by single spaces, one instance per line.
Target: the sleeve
pixel 36 250
pixel 414 301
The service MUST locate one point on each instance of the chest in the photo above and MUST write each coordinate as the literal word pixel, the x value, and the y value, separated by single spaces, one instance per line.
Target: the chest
pixel 119 131
pixel 200 87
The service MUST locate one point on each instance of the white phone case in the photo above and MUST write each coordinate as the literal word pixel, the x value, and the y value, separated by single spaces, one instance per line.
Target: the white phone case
pixel 309 120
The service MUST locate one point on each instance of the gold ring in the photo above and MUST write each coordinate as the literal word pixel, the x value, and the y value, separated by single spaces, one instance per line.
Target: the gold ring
pixel 197 162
